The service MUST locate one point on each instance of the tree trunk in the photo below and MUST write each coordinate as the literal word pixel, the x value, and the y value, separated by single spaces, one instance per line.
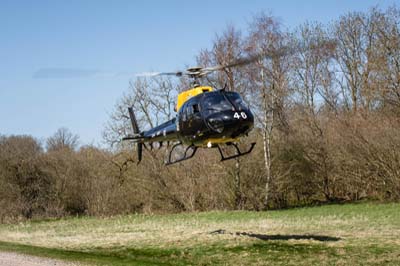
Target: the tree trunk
pixel 267 160
pixel 238 189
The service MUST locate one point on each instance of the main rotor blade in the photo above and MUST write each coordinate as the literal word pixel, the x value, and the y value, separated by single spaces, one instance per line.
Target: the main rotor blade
pixel 239 62
pixel 285 50
pixel 154 74
pixel 69 73
pixel 66 73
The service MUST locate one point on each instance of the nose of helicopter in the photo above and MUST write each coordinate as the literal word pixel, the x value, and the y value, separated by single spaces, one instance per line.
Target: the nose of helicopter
pixel 231 123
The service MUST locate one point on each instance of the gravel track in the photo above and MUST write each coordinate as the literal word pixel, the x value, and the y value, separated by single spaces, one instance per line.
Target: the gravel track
pixel 16 259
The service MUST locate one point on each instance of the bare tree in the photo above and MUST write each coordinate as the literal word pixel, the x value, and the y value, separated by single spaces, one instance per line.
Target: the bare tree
pixel 227 48
pixel 358 59
pixel 62 139
pixel 153 101
pixel 269 81
pixel 29 186
pixel 312 83
pixel 387 30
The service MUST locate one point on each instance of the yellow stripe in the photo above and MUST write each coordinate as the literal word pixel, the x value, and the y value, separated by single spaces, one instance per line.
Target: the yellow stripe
pixel 186 95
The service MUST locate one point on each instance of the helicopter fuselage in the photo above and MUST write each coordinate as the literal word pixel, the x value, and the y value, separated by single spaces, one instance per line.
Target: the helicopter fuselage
pixel 206 120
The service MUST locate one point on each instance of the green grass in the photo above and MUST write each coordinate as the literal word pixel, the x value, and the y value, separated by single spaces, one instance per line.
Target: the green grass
pixel 358 234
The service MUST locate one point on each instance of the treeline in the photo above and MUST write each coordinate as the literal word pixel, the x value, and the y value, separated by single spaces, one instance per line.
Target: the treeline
pixel 327 130
pixel 61 180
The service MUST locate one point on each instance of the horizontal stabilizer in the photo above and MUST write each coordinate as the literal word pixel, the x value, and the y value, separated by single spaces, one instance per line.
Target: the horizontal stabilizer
pixel 136 137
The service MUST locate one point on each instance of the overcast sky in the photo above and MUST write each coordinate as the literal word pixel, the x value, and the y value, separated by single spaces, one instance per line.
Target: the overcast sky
pixel 136 36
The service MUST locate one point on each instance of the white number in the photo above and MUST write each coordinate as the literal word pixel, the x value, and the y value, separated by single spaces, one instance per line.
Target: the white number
pixel 237 116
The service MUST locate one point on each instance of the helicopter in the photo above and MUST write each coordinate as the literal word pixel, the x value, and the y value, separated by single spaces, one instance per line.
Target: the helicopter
pixel 206 117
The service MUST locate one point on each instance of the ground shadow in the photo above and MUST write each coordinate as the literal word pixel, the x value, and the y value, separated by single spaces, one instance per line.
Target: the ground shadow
pixel 321 238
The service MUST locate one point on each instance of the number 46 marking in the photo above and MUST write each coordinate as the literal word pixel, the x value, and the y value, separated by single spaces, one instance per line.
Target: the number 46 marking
pixel 237 116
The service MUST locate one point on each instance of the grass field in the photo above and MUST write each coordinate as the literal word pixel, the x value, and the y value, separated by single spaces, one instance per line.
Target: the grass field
pixel 357 234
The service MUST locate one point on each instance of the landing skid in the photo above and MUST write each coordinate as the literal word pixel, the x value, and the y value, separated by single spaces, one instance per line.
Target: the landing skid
pixel 238 152
pixel 190 151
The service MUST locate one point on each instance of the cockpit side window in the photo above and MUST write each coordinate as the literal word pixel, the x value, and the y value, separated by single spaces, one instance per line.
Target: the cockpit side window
pixel 183 113
pixel 196 108
pixel 189 110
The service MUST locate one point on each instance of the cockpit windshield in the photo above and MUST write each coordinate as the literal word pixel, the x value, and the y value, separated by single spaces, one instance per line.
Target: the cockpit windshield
pixel 236 100
pixel 216 102
pixel 222 101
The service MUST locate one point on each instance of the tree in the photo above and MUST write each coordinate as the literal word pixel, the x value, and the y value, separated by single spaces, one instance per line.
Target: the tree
pixel 268 77
pixel 28 187
pixel 227 48
pixel 358 59
pixel 153 101
pixel 62 139
pixel 387 30
pixel 312 80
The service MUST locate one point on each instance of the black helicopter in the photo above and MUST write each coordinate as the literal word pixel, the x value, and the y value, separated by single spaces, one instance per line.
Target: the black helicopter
pixel 206 118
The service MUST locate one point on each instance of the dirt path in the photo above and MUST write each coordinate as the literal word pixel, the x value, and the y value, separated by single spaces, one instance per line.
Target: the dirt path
pixel 15 259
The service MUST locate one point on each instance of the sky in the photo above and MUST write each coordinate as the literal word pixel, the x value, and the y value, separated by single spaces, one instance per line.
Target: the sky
pixel 129 36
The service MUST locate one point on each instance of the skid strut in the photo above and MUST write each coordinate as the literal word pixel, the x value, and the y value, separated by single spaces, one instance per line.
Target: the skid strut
pixel 238 152
pixel 190 151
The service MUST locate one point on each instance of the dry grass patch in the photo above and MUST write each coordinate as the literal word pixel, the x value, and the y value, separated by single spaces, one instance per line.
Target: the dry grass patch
pixel 305 236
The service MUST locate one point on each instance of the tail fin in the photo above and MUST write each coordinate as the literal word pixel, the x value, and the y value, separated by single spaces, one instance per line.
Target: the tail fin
pixel 135 126
pixel 136 131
